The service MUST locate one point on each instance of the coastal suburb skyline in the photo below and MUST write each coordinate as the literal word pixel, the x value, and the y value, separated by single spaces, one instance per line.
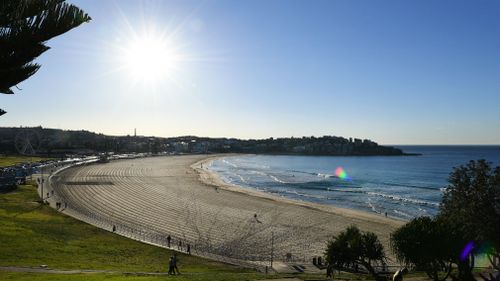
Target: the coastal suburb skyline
pixel 395 72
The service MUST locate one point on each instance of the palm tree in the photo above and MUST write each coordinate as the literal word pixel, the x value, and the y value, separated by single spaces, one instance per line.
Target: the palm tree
pixel 25 26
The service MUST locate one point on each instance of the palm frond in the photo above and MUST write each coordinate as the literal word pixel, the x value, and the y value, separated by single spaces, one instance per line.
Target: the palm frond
pixel 16 75
pixel 25 26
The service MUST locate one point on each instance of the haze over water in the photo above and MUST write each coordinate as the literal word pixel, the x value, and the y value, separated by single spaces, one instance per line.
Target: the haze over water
pixel 403 186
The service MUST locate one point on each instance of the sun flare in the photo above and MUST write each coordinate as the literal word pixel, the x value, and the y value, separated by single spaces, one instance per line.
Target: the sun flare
pixel 148 58
pixel 153 56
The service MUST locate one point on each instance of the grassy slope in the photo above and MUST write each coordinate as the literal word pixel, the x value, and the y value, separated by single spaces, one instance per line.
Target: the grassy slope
pixel 14 160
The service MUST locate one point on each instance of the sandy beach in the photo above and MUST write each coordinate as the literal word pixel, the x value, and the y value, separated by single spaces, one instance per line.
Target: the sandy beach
pixel 174 195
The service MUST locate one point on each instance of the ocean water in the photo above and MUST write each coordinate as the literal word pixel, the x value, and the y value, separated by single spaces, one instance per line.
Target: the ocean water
pixel 401 186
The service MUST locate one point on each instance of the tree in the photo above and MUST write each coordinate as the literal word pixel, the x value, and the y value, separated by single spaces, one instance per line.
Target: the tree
pixel 468 223
pixel 354 248
pixel 425 244
pixel 25 26
pixel 471 206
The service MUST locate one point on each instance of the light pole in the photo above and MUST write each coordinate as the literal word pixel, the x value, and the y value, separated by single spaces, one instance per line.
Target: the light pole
pixel 272 248
pixel 41 183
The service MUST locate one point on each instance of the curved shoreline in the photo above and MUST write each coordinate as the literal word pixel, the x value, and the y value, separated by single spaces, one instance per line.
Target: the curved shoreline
pixel 151 198
pixel 213 179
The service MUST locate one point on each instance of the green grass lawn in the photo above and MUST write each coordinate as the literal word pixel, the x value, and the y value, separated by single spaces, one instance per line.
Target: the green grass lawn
pixel 32 234
pixel 14 160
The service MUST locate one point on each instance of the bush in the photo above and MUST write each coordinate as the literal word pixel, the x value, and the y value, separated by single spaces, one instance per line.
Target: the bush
pixel 354 248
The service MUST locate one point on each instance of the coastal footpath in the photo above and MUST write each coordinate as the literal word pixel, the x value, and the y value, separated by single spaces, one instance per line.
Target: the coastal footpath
pixel 157 197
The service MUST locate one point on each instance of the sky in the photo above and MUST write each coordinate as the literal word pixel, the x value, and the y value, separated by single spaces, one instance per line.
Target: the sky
pixel 396 72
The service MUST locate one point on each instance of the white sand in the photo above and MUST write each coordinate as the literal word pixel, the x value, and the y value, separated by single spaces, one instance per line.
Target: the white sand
pixel 174 196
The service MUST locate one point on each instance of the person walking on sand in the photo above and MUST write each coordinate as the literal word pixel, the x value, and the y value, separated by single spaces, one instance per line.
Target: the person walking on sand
pixel 256 219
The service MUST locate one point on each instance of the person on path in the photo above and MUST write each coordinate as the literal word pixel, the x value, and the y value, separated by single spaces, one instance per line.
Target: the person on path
pixel 329 272
pixel 171 266
pixel 398 276
pixel 188 250
pixel 174 261
pixel 168 240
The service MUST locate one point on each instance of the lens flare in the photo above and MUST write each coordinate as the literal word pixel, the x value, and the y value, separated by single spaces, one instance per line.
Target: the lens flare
pixel 467 250
pixel 341 174
pixel 486 248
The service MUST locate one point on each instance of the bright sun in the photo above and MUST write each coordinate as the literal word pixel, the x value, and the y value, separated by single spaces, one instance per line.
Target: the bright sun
pixel 151 55
pixel 149 58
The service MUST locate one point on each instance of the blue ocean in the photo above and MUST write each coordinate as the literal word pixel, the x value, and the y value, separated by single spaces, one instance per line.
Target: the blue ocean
pixel 404 187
